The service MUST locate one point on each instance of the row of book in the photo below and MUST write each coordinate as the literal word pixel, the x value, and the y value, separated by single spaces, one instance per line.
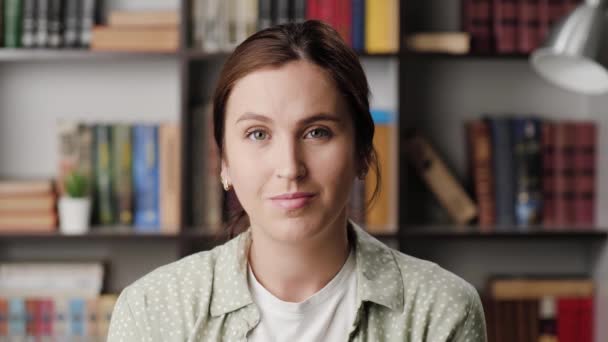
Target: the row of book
pixel 27 205
pixel 56 317
pixel 135 171
pixel 527 171
pixel 508 26
pixel 532 310
pixel 47 23
pixel 370 26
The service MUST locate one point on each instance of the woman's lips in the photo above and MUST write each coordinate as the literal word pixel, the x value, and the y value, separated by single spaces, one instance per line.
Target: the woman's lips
pixel 292 202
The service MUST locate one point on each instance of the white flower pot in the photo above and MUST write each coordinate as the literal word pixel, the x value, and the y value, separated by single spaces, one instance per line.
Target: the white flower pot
pixel 74 215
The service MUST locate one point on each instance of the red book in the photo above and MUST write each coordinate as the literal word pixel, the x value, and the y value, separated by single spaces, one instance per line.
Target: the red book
pixel 548 173
pixel 505 26
pixel 344 19
pixel 46 317
pixel 312 9
pixel 564 173
pixel 3 317
pixel 477 20
pixel 527 37
pixel 31 314
pixel 480 152
pixel 586 314
pixel 584 173
pixel 543 21
pixel 558 9
pixel 567 320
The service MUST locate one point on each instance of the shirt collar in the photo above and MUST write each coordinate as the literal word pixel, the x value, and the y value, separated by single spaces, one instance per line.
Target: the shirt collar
pixel 378 275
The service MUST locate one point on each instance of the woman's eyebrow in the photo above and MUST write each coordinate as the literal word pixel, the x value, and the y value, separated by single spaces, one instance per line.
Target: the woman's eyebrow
pixel 305 121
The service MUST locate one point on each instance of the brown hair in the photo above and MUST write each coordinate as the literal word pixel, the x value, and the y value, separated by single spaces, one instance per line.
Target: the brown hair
pixel 319 44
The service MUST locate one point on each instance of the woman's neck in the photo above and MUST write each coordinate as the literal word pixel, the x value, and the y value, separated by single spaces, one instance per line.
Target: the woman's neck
pixel 295 272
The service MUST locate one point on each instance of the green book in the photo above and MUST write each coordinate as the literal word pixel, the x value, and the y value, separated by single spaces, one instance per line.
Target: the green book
pixel 103 176
pixel 12 23
pixel 122 173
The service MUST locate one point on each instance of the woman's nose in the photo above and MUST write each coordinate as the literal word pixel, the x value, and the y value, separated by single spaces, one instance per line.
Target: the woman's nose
pixel 290 164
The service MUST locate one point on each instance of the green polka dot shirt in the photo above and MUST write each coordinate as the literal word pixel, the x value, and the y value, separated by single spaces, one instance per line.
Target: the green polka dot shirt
pixel 205 297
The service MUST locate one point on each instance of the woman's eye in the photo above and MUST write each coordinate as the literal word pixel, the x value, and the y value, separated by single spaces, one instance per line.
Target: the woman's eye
pixel 318 133
pixel 257 135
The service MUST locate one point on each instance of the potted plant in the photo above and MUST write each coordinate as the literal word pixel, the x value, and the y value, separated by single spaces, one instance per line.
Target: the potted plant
pixel 75 204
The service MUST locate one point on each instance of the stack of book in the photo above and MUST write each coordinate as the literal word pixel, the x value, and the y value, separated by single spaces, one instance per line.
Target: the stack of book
pixel 370 26
pixel 57 300
pixel 508 26
pixel 138 31
pixel 135 172
pixel 540 309
pixel 527 171
pixel 27 206
pixel 47 23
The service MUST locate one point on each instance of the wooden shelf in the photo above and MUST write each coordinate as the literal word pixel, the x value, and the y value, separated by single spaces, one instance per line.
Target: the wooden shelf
pixel 15 55
pixel 489 56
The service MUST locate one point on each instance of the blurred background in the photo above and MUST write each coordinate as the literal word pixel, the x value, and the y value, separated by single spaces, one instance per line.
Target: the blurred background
pixel 108 168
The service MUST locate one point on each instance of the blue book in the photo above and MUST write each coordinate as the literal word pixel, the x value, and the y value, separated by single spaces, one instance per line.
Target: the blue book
pixel 504 176
pixel 146 184
pixel 358 25
pixel 77 318
pixel 528 169
pixel 17 317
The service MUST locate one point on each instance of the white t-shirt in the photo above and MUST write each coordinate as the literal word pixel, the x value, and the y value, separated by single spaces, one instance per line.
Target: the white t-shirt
pixel 328 315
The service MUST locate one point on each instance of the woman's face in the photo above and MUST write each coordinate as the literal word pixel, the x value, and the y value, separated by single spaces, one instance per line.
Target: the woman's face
pixel 288 134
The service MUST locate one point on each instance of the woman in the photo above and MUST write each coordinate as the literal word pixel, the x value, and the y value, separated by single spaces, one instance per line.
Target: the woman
pixel 293 127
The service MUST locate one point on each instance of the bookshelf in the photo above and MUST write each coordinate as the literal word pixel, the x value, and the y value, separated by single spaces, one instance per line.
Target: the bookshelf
pixel 435 92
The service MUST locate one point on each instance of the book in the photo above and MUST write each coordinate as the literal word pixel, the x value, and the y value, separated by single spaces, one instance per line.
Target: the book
pixel 584 173
pixel 528 168
pixel 457 43
pixel 72 20
pixel 104 207
pixel 549 154
pixel 55 23
pixel 28 23
pixel 506 22
pixel 480 156
pixel 87 21
pixel 12 23
pixel 504 177
pixel 564 173
pixel 358 25
pixel 298 11
pixel 1 23
pixel 105 38
pixel 122 173
pixel 143 19
pixel 382 216
pixel 477 21
pixel 528 25
pixel 27 204
pixel 25 223
pixel 265 19
pixel 170 150
pixel 41 36
pixel 382 26
pixel 25 187
pixel 440 179
pixel 536 288
pixel 146 178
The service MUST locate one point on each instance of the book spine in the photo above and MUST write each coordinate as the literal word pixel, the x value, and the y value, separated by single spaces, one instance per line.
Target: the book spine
pixel 17 316
pixel 557 10
pixel 46 315
pixel 61 317
pixel 42 23
pixel 567 320
pixel 3 317
pixel 477 20
pixel 85 158
pixel 281 10
pixel 72 23
pixel 586 312
pixel 28 23
pixel 12 23
pixel 146 180
pixel 502 164
pixel 526 29
pixel 344 16
pixel 55 23
pixel 77 317
pixel 298 11
pixel 564 173
pixel 543 21
pixel 528 165
pixel 87 21
pixel 2 13
pixel 170 177
pixel 506 23
pixel 90 317
pixel 358 25
pixel 30 317
pixel 312 9
pixel 584 173
pixel 549 154
pixel 122 173
pixel 103 175
pixel 264 14
pixel 480 147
